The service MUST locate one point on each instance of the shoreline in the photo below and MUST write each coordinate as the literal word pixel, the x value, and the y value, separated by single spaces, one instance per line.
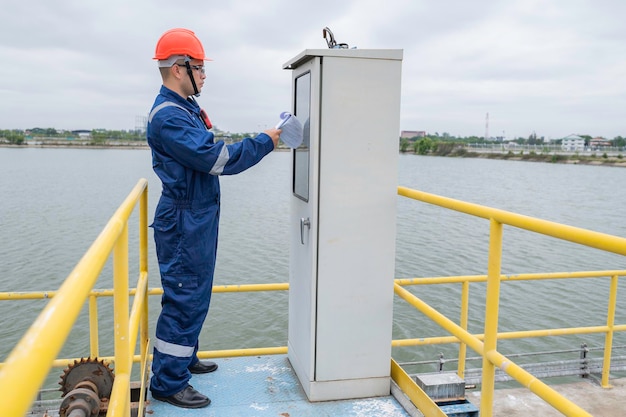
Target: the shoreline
pixel 554 158
pixel 65 146
pixel 566 159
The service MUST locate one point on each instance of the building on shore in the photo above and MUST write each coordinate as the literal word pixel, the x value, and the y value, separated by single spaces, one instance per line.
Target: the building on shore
pixel 409 134
pixel 599 143
pixel 573 143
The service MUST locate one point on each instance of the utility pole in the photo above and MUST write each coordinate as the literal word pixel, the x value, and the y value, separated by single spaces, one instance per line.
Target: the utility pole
pixel 487 127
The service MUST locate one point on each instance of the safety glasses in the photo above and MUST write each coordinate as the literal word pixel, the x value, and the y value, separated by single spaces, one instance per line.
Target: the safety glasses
pixel 199 68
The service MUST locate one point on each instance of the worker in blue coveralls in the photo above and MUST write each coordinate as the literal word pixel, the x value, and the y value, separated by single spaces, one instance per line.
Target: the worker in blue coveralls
pixel 188 161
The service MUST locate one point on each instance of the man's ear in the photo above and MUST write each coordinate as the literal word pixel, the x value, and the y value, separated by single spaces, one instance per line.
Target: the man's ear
pixel 176 71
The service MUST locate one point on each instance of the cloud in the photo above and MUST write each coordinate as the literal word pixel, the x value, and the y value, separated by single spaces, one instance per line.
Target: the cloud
pixel 553 67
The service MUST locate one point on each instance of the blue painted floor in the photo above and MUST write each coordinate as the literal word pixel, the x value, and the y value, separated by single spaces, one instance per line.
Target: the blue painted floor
pixel 263 386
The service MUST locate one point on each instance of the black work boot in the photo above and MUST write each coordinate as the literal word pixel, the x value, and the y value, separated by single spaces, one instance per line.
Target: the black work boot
pixel 187 398
pixel 203 367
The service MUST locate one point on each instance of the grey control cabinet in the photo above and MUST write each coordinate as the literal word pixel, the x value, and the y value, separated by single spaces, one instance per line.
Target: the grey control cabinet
pixel 343 220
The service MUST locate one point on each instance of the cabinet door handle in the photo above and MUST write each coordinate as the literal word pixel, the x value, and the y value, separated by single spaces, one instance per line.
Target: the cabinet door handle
pixel 304 222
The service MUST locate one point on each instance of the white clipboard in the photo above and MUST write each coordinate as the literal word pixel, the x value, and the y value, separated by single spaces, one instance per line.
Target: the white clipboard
pixel 292 131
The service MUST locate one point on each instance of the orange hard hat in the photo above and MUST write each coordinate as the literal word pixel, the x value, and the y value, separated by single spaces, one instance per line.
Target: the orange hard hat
pixel 179 41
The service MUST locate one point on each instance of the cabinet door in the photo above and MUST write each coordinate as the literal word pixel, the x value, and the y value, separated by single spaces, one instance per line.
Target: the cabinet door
pixel 303 222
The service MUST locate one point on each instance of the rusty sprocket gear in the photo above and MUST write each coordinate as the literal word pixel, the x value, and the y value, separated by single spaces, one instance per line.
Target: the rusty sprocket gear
pixel 88 369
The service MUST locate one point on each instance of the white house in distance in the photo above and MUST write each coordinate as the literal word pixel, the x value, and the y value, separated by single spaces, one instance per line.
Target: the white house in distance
pixel 573 143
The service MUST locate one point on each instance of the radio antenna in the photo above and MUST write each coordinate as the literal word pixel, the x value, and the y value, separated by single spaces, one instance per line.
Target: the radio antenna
pixel 330 40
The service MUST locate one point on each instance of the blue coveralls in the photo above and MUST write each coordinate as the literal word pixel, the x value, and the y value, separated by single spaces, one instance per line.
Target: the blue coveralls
pixel 188 162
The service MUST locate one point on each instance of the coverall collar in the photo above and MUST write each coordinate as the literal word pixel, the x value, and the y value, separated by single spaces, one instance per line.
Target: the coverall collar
pixel 173 96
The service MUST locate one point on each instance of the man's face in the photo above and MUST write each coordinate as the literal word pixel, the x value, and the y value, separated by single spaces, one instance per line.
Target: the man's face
pixel 197 72
pixel 197 69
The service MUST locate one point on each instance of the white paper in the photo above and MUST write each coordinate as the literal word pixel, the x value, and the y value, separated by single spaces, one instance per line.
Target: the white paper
pixel 292 132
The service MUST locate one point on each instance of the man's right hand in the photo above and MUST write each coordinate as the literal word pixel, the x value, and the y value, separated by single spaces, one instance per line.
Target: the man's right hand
pixel 274 134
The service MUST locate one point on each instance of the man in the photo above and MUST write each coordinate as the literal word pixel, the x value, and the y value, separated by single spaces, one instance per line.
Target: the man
pixel 188 162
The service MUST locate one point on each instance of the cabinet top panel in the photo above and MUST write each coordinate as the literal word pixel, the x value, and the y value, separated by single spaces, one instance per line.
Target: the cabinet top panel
pixel 307 54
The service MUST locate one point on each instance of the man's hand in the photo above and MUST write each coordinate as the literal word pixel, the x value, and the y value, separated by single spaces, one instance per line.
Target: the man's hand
pixel 274 134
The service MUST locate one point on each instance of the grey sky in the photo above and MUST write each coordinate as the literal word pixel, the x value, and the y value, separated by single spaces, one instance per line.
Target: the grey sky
pixel 554 67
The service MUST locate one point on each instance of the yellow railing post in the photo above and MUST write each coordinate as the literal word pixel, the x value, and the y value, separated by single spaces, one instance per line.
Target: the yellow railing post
pixel 143 272
pixel 491 317
pixel 608 341
pixel 463 323
pixel 143 268
pixel 94 344
pixel 120 324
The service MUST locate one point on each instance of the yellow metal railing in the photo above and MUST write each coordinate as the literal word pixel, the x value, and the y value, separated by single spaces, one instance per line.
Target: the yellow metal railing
pixel 30 361
pixel 487 347
pixel 95 294
pixel 610 328
pixel 408 386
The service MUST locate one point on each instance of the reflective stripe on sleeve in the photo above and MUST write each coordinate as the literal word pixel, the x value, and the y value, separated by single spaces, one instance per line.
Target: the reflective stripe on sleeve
pixel 220 163
pixel 172 349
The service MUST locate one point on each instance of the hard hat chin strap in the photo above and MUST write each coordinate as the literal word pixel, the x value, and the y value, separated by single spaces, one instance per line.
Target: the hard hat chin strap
pixel 196 93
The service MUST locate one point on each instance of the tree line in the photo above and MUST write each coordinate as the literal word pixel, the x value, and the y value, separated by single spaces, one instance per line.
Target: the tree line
pixel 18 137
pixel 418 144
pixel 438 144
pixel 96 136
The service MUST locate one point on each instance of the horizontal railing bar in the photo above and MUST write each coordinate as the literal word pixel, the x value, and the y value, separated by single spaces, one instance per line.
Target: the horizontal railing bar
pixel 602 241
pixel 474 375
pixel 511 277
pixel 206 354
pixel 34 295
pixel 441 340
pixel 614 359
pixel 519 355
pixel 38 295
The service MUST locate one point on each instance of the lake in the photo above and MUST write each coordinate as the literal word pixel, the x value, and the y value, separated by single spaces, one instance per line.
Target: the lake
pixel 55 202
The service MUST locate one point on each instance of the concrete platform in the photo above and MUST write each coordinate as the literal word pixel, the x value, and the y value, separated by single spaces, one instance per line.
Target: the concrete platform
pixel 598 401
pixel 264 386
